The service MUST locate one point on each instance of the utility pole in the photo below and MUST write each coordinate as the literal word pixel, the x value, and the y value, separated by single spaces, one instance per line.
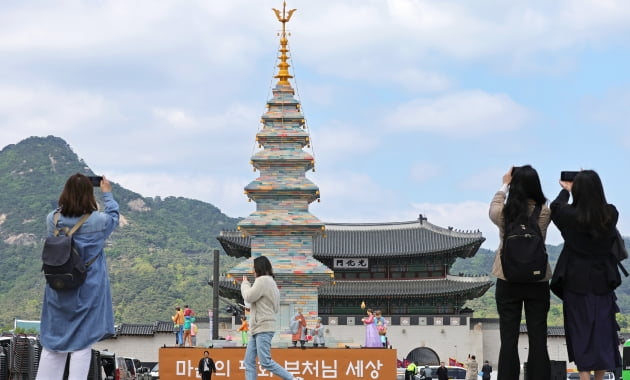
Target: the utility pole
pixel 215 296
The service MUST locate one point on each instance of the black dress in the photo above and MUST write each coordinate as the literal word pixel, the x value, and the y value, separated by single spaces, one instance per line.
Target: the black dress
pixel 585 278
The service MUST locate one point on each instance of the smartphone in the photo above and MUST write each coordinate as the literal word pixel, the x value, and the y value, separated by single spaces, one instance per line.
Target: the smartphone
pixel 567 176
pixel 96 180
pixel 515 168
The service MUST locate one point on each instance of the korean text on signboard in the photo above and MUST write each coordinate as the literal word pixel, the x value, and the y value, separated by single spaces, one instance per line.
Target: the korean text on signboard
pixel 309 364
pixel 351 263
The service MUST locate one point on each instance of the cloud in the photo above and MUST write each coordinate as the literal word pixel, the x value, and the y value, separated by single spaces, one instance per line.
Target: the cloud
pixel 477 28
pixel 89 26
pixel 347 185
pixel 233 117
pixel 519 34
pixel 471 216
pixel 45 110
pixel 424 171
pixel 417 80
pixel 488 179
pixel 611 110
pixel 336 140
pixel 408 34
pixel 348 196
pixel 176 118
pixel 467 215
pixel 117 132
pixel 457 114
pixel 311 93
pixel 166 95
pixel 224 192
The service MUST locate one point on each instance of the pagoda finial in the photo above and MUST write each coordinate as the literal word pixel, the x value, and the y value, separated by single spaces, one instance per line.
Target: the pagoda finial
pixel 283 67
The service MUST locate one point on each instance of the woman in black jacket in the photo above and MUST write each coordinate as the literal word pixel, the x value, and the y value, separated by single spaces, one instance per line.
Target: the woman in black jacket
pixel 586 274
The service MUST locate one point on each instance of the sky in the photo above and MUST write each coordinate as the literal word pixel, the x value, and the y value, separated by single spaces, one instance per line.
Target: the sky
pixel 413 106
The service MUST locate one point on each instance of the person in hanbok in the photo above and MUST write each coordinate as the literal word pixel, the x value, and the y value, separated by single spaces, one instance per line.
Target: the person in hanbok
pixel 244 330
pixel 372 339
pixel 318 334
pixel 381 327
pixel 298 327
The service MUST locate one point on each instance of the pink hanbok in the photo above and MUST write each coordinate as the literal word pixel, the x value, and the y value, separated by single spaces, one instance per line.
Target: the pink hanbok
pixel 372 339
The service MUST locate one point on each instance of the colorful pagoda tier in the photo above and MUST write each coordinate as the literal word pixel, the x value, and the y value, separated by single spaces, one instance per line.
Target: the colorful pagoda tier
pixel 282 228
pixel 402 268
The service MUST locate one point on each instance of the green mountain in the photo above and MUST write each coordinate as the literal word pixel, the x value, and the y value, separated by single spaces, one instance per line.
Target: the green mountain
pixel 159 257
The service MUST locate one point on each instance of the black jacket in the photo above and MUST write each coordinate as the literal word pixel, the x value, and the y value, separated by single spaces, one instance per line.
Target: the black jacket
pixel 586 264
pixel 442 373
pixel 210 365
pixel 487 370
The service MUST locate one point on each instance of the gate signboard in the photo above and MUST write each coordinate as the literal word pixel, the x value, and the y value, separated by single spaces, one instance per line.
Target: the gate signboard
pixel 180 363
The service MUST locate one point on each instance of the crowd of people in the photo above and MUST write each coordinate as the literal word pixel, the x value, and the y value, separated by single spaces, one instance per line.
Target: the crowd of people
pixel 585 278
pixel 184 327
pixel 300 333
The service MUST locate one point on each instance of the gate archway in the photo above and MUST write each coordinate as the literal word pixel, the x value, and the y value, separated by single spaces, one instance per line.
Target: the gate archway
pixel 424 356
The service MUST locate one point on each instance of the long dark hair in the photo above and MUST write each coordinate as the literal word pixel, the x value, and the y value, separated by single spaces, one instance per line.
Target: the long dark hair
pixel 525 185
pixel 589 200
pixel 77 197
pixel 262 267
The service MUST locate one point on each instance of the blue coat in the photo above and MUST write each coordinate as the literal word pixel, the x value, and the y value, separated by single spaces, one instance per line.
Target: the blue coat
pixel 76 319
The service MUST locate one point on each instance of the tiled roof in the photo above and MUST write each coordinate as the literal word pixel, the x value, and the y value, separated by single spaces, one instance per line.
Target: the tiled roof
pixel 471 286
pixel 551 330
pixel 136 329
pixel 376 240
pixel 164 327
pixel 400 239
pixel 451 285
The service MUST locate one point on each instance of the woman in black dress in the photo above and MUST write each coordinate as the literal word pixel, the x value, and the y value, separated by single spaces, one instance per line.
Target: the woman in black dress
pixel 586 274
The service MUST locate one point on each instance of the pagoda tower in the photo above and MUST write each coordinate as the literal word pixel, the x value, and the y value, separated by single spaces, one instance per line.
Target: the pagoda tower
pixel 282 228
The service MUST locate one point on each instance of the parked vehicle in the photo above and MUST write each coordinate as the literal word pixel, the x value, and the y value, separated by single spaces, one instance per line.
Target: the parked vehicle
pixel 132 366
pixel 115 367
pixel 576 375
pixel 155 372
pixel 454 373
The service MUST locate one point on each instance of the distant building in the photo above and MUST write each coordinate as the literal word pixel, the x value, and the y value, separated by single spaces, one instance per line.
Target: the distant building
pixel 400 268
pixel 26 325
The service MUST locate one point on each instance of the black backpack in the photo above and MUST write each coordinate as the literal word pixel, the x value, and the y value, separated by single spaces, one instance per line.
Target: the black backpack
pixel 62 265
pixel 524 256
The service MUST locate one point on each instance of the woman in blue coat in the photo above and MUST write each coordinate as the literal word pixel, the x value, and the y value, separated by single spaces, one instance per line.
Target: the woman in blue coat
pixel 74 319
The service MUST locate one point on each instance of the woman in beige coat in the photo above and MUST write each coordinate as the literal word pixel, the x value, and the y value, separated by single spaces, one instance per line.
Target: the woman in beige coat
pixel 519 195
pixel 263 296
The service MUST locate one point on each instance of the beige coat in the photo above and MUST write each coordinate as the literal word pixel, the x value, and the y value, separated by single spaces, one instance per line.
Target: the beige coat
pixel 472 369
pixel 264 298
pixel 496 216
